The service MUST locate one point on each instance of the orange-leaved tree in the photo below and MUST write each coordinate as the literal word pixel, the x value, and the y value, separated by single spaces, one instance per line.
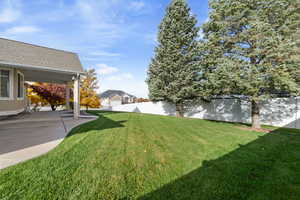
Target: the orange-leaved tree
pixel 88 94
pixel 35 100
pixel 141 100
pixel 48 93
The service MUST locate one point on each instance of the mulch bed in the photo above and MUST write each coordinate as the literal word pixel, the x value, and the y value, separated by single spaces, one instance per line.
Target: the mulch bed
pixel 262 130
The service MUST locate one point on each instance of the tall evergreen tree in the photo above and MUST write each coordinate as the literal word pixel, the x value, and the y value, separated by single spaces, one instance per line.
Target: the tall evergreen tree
pixel 172 75
pixel 252 49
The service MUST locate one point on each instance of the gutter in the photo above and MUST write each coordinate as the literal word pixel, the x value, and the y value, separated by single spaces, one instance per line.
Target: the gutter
pixel 39 68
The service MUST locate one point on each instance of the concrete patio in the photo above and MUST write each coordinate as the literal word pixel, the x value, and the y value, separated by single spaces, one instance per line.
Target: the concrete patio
pixel 30 135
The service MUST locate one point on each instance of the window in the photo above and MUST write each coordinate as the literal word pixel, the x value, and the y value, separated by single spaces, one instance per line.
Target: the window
pixel 20 86
pixel 5 84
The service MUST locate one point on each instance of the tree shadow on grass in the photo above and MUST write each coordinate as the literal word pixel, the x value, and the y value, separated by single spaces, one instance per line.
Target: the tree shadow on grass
pixel 101 123
pixel 103 112
pixel 267 168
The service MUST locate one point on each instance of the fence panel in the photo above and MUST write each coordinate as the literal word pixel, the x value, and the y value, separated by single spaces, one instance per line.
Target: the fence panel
pixel 282 112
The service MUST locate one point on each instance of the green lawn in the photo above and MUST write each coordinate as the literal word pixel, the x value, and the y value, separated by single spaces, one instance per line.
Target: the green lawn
pixel 138 156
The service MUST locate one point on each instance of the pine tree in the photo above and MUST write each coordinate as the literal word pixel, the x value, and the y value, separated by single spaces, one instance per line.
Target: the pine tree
pixel 173 72
pixel 252 47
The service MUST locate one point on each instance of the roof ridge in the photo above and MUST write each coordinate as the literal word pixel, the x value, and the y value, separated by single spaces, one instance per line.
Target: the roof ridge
pixel 38 45
pixel 111 92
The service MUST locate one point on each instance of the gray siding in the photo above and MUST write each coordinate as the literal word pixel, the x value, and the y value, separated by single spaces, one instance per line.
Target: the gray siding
pixel 15 104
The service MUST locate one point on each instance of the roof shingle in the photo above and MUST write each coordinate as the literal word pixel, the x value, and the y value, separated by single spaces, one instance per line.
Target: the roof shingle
pixel 21 53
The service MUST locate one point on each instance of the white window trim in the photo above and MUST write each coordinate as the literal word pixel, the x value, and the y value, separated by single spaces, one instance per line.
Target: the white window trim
pixel 20 98
pixel 11 85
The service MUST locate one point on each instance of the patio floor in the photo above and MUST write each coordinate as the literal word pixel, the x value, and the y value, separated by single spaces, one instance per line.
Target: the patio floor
pixel 30 135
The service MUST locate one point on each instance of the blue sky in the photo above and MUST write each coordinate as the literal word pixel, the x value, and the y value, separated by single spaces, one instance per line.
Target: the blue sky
pixel 116 37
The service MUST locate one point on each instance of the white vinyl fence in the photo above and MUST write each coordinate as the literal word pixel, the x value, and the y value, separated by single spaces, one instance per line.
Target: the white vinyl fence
pixel 282 112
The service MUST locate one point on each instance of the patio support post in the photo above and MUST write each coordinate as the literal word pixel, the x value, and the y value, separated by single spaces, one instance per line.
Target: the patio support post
pixel 77 96
pixel 27 99
pixel 68 96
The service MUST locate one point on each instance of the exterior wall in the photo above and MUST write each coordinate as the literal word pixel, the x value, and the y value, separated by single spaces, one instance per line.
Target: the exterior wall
pixel 126 99
pixel 14 106
pixel 110 102
pixel 282 112
pixel 115 103
pixel 105 102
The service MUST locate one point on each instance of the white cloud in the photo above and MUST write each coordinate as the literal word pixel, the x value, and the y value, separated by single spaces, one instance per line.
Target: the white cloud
pixel 86 9
pixel 98 14
pixel 105 69
pixel 100 24
pixel 87 27
pixel 105 54
pixel 10 11
pixel 90 59
pixel 104 21
pixel 137 5
pixel 9 15
pixel 121 77
pixel 22 29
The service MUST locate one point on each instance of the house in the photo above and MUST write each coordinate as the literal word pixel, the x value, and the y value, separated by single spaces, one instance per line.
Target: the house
pixel 20 62
pixel 111 98
pixel 115 101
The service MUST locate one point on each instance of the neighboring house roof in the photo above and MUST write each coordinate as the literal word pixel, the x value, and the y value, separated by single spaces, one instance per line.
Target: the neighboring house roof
pixel 24 54
pixel 111 93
